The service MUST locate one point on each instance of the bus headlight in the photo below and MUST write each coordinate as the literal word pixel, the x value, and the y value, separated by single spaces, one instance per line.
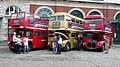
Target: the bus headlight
pixel 99 44
pixel 8 42
pixel 84 43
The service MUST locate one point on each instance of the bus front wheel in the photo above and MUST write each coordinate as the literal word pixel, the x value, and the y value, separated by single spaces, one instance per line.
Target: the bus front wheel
pixel 85 49
pixel 30 46
pixel 102 48
pixel 67 47
pixel 10 48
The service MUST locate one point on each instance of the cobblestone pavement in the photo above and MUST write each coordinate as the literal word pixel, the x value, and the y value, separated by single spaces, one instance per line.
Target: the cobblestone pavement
pixel 73 58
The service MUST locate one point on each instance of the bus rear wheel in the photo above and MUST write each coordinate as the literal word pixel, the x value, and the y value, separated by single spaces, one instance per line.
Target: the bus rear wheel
pixel 67 47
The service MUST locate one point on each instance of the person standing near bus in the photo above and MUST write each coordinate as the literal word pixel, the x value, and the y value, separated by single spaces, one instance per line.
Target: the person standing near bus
pixel 25 40
pixel 79 41
pixel 19 43
pixel 59 44
pixel 55 44
pixel 14 42
pixel 107 43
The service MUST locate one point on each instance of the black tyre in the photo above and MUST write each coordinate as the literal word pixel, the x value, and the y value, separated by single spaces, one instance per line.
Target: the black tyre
pixel 67 47
pixel 50 48
pixel 10 48
pixel 30 46
pixel 85 49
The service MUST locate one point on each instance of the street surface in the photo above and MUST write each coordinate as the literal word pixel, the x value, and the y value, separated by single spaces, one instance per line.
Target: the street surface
pixel 73 58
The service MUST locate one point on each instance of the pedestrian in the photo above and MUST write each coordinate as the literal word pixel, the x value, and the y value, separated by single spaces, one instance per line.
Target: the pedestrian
pixel 78 43
pixel 19 43
pixel 106 37
pixel 25 40
pixel 55 44
pixel 59 44
pixel 14 42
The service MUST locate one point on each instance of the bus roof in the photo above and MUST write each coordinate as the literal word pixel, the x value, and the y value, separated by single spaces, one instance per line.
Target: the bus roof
pixel 94 16
pixel 64 13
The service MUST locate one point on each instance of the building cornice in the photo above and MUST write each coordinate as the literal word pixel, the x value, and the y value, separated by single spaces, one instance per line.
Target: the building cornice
pixel 77 4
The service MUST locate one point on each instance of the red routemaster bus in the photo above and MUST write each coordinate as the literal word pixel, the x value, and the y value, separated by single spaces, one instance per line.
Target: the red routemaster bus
pixel 27 24
pixel 95 27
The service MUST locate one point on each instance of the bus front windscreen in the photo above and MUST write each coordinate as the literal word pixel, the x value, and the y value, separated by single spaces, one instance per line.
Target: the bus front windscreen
pixel 20 31
pixel 64 32
pixel 87 35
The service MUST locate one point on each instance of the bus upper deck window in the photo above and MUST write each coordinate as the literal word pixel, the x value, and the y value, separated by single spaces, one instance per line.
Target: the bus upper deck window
pixel 36 17
pixel 68 18
pixel 73 19
pixel 81 22
pixel 77 21
pixel 60 17
pixel 52 18
pixel 21 15
pixel 14 16
pixel 29 16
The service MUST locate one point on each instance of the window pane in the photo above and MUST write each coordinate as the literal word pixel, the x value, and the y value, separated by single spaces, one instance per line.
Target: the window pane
pixel 73 19
pixel 87 35
pixel 36 17
pixel 11 30
pixel 44 34
pixel 68 18
pixel 37 33
pixel 60 17
pixel 0 21
pixel 20 32
pixel 29 16
pixel 73 34
pixel 77 13
pixel 77 21
pixel 52 18
pixel 93 20
pixel 21 15
pixel 28 33
pixel 14 16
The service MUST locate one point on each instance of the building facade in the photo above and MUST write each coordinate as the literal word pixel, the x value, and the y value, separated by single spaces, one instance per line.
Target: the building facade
pixel 6 8
pixel 44 8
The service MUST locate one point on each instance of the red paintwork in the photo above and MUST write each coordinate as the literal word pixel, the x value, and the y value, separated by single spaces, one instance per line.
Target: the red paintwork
pixel 99 30
pixel 25 23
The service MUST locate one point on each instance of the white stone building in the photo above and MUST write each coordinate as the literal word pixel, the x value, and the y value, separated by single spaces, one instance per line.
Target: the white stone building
pixel 6 8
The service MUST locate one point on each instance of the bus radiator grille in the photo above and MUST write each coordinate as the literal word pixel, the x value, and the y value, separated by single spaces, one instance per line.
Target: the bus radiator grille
pixel 91 45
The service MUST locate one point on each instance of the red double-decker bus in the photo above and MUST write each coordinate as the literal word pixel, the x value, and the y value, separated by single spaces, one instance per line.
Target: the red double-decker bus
pixel 95 27
pixel 27 24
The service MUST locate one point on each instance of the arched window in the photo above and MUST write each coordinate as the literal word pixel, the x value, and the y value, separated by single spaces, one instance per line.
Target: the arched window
pixel 12 9
pixel 117 16
pixel 77 13
pixel 44 13
pixel 0 21
pixel 94 13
